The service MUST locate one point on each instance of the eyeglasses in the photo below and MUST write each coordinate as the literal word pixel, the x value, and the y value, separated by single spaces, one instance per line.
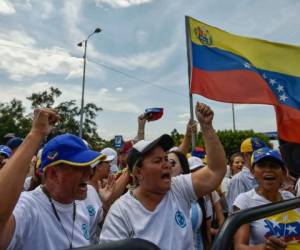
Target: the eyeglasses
pixel 172 163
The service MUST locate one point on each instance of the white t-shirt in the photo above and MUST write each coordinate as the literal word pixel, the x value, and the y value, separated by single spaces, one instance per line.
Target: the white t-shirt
pixel 284 225
pixel 168 226
pixel 27 183
pixel 38 228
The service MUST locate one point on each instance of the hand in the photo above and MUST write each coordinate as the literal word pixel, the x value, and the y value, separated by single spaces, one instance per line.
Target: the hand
pixel 274 243
pixel 191 128
pixel 142 119
pixel 106 191
pixel 44 120
pixel 204 114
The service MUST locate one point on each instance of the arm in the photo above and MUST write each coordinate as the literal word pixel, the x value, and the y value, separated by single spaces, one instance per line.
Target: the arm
pixel 141 128
pixel 187 139
pixel 11 184
pixel 209 177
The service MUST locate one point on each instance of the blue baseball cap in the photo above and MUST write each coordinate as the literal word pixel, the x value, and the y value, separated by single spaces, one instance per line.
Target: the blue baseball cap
pixel 14 142
pixel 6 151
pixel 68 149
pixel 264 153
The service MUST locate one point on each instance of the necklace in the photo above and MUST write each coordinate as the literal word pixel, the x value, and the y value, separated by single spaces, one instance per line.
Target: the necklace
pixel 46 192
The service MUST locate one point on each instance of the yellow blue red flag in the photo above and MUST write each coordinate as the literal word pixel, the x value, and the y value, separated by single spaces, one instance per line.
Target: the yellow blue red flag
pixel 230 68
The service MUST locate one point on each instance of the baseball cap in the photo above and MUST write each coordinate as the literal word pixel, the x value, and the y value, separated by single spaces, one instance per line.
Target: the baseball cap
pixel 6 151
pixel 195 162
pixel 111 153
pixel 14 142
pixel 264 153
pixel 69 149
pixel 143 147
pixel 251 144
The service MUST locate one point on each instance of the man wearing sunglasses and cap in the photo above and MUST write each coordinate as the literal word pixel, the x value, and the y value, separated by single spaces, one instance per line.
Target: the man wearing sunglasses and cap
pixel 64 212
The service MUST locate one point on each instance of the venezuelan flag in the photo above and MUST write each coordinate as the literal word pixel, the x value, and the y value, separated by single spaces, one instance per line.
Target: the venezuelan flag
pixel 236 69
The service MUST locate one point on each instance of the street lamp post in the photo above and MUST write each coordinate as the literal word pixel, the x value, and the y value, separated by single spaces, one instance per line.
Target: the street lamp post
pixel 97 30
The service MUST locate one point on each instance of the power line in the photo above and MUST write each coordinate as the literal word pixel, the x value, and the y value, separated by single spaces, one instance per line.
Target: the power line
pixel 136 78
pixel 104 66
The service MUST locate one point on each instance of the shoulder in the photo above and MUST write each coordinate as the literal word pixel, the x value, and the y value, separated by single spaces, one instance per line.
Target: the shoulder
pixel 286 195
pixel 242 200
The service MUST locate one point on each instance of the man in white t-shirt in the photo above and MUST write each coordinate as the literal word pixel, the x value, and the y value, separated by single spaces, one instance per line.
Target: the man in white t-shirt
pixel 158 209
pixel 65 211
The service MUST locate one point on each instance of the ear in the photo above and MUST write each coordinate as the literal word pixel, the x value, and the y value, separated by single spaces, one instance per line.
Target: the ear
pixel 138 173
pixel 51 173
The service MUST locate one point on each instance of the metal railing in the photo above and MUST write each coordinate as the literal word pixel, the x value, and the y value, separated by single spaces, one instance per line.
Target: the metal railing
pixel 128 244
pixel 234 221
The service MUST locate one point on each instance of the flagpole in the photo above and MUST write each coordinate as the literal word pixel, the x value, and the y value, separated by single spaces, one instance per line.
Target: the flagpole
pixel 189 53
pixel 233 117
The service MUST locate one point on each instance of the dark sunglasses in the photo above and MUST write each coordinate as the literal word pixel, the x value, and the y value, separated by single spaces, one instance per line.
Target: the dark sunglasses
pixel 172 163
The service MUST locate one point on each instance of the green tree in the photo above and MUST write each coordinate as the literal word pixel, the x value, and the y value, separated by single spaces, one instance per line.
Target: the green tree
pixel 70 113
pixel 177 138
pixel 13 120
pixel 232 140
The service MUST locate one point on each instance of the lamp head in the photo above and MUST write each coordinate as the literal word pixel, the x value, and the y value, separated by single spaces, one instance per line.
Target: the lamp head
pixel 79 44
pixel 97 30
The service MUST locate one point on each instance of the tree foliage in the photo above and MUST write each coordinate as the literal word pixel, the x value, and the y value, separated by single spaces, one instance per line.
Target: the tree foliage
pixel 231 140
pixel 14 120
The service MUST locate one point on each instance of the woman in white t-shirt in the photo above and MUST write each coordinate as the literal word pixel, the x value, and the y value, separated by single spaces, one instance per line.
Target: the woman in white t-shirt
pixel 158 208
pixel 273 232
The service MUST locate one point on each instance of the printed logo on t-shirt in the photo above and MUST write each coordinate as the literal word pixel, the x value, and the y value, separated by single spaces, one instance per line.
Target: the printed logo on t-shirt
pixel 180 220
pixel 85 231
pixel 285 225
pixel 91 210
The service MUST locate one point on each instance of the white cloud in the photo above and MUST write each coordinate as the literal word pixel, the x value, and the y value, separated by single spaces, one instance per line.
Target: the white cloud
pixel 184 116
pixel 6 8
pixel 142 37
pixel 146 60
pixel 112 102
pixel 119 89
pixel 20 59
pixel 121 3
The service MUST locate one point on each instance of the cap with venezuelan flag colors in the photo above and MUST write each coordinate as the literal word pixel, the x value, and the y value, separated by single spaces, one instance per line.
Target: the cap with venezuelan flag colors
pixel 68 149
pixel 251 144
pixel 266 153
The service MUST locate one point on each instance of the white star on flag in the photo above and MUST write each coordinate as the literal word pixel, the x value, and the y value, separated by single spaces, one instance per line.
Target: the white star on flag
pixel 275 224
pixel 291 229
pixel 283 97
pixel 247 65
pixel 265 76
pixel 272 81
pixel 280 88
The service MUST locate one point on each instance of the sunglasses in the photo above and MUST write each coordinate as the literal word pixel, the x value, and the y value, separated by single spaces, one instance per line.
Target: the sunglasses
pixel 172 163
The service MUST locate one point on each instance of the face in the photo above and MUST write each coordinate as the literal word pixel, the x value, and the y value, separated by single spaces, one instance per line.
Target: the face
pixel 72 182
pixel 269 175
pixel 155 173
pixel 122 160
pixel 237 164
pixel 103 169
pixel 175 164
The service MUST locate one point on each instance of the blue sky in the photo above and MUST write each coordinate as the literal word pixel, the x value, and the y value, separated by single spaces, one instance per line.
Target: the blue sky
pixel 137 61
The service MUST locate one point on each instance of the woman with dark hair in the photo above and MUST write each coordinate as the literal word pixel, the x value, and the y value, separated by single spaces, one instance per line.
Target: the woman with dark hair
pixel 276 232
pixel 158 209
pixel 178 163
pixel 236 162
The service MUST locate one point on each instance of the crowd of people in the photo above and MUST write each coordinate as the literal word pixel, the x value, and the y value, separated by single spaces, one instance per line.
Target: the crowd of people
pixel 67 195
